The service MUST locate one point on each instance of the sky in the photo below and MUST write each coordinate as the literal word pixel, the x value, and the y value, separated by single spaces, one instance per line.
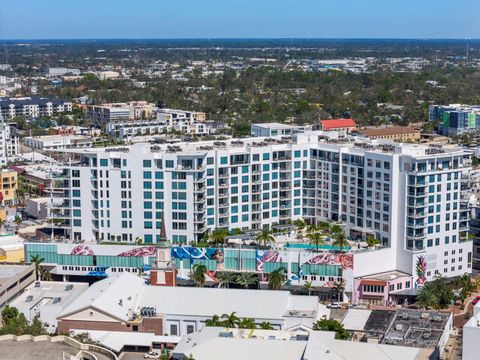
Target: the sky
pixel 121 19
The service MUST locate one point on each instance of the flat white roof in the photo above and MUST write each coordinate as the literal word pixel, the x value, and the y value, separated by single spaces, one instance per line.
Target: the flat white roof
pixel 355 319
pixel 319 347
pixel 116 340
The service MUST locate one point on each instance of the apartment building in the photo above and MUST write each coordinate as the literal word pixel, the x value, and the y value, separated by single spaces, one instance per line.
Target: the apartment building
pixel 106 113
pixel 177 117
pixel 33 107
pixel 456 119
pixel 410 197
pixel 8 187
pixel 8 141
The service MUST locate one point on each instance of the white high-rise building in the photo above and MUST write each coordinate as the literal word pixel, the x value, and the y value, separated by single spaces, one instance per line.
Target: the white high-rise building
pixel 8 141
pixel 410 197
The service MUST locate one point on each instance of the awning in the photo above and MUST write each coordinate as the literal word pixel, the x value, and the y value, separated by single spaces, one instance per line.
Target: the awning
pixel 373 282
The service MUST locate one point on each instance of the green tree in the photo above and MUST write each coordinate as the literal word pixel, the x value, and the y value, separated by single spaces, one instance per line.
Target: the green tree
pixel 436 294
pixel 316 238
pixel 332 325
pixel 230 320
pixel 340 240
pixel 225 278
pixel 37 260
pixel 265 325
pixel 18 220
pixel 198 274
pixel 218 236
pixel 265 237
pixel 308 286
pixel 247 323
pixel 246 279
pixel 214 321
pixel 276 278
pixel 338 287
pixel 324 227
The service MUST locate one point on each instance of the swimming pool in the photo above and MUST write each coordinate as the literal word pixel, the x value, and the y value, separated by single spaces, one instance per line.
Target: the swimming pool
pixel 320 247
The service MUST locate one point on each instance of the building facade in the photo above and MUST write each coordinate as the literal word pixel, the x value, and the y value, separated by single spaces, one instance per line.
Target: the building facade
pixel 33 107
pixel 456 119
pixel 410 197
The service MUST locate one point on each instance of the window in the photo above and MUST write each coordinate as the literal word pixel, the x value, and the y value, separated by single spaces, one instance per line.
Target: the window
pixel 173 329
pixel 147 163
pixel 190 329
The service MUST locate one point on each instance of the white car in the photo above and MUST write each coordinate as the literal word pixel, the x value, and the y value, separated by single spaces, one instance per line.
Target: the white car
pixel 152 355
pixel 334 305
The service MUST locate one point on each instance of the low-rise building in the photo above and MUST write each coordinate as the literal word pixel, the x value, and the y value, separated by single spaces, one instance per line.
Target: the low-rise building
pixel 11 248
pixel 13 280
pixel 347 125
pixel 393 133
pixel 126 303
pixel 133 110
pixel 214 343
pixel 276 129
pixel 471 335
pixel 45 300
pixel 52 142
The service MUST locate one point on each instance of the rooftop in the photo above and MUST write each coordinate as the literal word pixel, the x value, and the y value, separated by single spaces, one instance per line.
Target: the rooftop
pixel 7 272
pixel 337 123
pixel 125 295
pixel 387 131
pixel 321 140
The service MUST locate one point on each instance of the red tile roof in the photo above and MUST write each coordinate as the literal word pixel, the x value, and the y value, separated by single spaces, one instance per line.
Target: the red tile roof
pixel 337 123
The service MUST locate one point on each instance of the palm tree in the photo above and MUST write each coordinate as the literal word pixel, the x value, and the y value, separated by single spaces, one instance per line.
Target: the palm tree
pixel 301 225
pixel 2 222
pixel 276 279
pixel 316 238
pixel 339 286
pixel 308 286
pixel 18 220
pixel 324 227
pixel 336 229
pixel 247 323
pixel 45 275
pixel 198 274
pixel 312 228
pixel 340 240
pixel 265 325
pixel 230 321
pixel 246 279
pixel 214 321
pixel 426 297
pixel 225 278
pixel 218 236
pixel 265 237
pixel 37 260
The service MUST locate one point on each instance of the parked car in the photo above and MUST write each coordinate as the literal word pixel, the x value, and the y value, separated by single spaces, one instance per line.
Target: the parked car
pixel 334 305
pixel 152 355
pixel 476 300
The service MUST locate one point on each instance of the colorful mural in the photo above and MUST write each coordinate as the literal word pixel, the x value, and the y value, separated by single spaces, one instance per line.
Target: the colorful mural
pixel 190 252
pixel 140 251
pixel 421 269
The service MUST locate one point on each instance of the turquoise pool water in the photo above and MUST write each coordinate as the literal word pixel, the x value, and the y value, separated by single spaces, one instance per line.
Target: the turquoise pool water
pixel 321 247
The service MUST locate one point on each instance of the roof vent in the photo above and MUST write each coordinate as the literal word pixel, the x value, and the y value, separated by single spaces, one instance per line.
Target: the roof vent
pixel 29 298
pixel 57 300
pixel 69 287
pixel 37 284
